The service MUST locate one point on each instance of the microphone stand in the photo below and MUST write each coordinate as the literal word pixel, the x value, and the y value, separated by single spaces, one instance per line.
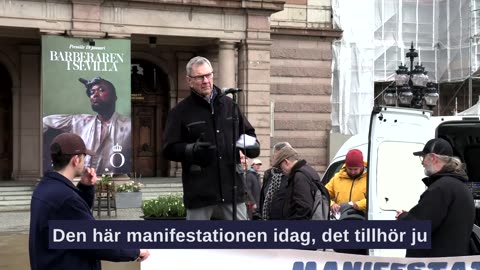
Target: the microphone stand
pixel 234 129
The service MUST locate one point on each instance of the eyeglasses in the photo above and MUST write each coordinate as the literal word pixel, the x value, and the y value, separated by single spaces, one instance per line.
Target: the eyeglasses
pixel 422 158
pixel 200 78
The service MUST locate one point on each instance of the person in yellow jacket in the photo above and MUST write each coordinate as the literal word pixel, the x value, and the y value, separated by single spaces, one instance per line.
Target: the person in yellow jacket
pixel 349 185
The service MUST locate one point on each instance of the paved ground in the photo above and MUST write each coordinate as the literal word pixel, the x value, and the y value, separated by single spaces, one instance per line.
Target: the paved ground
pixel 14 240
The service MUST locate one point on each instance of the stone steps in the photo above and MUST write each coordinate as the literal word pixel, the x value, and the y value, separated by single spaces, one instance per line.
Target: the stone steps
pixel 17 196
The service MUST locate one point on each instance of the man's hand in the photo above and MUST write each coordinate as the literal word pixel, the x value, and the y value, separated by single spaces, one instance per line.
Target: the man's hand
pixel 399 212
pixel 335 208
pixel 354 205
pixel 201 153
pixel 89 177
pixel 144 253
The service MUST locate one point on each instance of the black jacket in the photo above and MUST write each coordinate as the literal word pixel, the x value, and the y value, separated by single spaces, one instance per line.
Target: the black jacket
pixel 196 119
pixel 56 198
pixel 302 185
pixel 449 205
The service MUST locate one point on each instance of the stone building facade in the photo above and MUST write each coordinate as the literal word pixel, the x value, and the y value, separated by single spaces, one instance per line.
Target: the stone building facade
pixel 278 51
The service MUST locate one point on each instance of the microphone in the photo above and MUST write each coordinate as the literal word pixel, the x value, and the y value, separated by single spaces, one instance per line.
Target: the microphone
pixel 226 91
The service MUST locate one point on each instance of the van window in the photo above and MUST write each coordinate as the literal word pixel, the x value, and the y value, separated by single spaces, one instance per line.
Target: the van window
pixel 332 170
pixel 399 175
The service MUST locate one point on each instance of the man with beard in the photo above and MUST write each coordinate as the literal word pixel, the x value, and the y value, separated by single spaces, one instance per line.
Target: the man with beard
pixel 349 185
pixel 107 133
pixel 447 203
pixel 57 198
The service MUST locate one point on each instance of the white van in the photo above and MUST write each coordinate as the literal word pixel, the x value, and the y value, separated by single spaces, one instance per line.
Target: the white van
pixel 394 174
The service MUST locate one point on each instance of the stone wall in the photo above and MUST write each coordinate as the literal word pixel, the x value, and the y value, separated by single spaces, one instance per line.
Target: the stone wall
pixel 301 89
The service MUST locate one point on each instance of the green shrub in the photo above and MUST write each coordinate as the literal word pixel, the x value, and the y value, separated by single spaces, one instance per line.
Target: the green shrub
pixel 105 179
pixel 164 206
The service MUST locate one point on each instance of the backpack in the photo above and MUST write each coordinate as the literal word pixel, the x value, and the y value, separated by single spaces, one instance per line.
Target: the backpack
pixel 321 202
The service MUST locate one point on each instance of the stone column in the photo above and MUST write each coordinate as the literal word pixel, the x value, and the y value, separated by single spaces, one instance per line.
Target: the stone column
pixel 16 131
pixel 254 79
pixel 29 147
pixel 225 75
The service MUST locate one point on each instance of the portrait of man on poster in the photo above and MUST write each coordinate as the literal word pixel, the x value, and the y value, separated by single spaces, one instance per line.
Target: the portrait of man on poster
pixel 106 132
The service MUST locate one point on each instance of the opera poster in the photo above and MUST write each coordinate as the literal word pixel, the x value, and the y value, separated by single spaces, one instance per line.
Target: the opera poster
pixel 86 90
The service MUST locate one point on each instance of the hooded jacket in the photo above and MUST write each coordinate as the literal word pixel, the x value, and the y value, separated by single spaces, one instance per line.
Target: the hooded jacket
pixel 195 119
pixel 56 198
pixel 448 204
pixel 343 189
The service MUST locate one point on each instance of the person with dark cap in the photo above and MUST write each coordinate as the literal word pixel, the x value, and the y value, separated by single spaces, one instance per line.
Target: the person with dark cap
pixel 303 183
pixel 349 185
pixel 447 203
pixel 202 132
pixel 57 198
pixel 107 133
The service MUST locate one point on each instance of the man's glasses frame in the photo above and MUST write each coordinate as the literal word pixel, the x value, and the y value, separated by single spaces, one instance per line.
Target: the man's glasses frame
pixel 200 78
pixel 422 158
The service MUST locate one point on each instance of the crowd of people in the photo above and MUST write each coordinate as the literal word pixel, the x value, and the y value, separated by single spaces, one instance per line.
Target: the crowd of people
pixel 223 180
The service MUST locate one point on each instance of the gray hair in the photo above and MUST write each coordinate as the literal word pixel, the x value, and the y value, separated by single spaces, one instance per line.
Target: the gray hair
pixel 452 164
pixel 195 61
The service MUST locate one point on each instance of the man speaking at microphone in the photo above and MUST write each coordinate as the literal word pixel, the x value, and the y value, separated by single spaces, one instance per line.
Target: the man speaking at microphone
pixel 199 133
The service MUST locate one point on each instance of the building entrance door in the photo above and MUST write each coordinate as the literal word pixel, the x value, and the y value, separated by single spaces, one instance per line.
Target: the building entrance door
pixel 150 90
pixel 6 127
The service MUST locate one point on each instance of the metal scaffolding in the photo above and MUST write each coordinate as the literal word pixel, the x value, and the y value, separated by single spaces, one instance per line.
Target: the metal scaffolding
pixel 445 33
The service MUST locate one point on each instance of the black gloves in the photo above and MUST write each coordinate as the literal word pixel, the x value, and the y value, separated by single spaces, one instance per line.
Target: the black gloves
pixel 200 153
pixel 252 151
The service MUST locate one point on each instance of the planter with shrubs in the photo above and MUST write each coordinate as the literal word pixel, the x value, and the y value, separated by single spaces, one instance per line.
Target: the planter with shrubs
pixel 129 195
pixel 164 207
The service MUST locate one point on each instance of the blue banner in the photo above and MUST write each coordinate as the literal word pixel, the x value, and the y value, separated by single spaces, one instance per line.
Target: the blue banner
pixel 75 234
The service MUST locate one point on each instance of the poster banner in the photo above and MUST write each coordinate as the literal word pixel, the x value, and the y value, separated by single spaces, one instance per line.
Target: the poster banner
pixel 262 259
pixel 86 90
